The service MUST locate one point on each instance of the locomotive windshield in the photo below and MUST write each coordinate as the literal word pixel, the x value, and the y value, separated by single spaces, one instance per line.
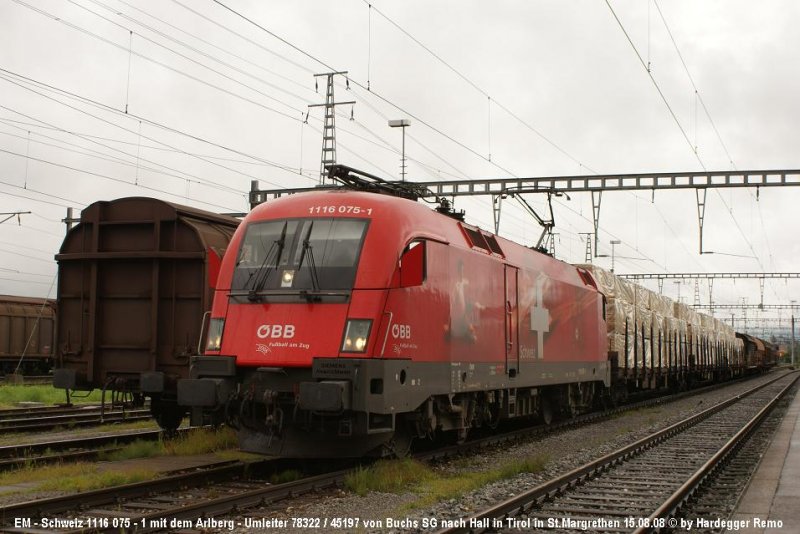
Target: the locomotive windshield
pixel 299 254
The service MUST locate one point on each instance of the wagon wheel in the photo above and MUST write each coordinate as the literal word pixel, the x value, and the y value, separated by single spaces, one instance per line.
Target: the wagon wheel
pixel 167 414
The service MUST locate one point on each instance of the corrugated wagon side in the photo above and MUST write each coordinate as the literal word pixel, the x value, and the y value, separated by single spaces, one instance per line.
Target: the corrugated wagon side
pixel 136 276
pixel 26 334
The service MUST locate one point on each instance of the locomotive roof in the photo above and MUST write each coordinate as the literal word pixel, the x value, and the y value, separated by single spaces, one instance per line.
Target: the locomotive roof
pixel 392 216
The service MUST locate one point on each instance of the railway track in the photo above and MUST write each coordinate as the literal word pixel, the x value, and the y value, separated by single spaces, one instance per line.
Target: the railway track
pixel 71 449
pixel 50 417
pixel 167 504
pixel 538 431
pixel 643 486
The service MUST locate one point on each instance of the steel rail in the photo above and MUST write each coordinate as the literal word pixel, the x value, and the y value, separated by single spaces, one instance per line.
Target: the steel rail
pixel 584 419
pixel 675 502
pixel 55 505
pixel 222 505
pixel 526 501
pixel 59 450
pixel 15 451
pixel 73 420
pixel 148 522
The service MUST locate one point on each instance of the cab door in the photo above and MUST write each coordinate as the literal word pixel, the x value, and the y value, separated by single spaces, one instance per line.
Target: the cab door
pixel 511 320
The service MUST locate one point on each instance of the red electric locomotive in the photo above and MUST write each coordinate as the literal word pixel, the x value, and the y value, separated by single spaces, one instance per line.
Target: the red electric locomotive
pixel 346 323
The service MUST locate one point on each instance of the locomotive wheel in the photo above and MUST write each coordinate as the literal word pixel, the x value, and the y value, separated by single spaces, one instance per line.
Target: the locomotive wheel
pixel 400 445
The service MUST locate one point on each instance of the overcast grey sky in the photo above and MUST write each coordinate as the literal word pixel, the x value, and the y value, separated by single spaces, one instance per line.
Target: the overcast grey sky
pixel 546 87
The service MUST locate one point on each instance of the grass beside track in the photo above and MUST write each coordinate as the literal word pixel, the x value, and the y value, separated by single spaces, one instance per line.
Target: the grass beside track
pixel 201 441
pixel 12 395
pixel 398 476
pixel 73 477
pixel 83 476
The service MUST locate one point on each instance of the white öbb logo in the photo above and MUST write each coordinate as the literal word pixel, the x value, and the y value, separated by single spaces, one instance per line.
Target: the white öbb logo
pixel 284 331
pixel 401 331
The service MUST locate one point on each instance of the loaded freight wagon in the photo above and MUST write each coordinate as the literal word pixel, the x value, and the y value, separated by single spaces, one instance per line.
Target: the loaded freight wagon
pixel 657 342
pixel 136 277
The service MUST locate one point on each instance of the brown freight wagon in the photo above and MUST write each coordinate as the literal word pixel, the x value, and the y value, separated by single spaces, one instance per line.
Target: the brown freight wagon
pixel 136 276
pixel 26 334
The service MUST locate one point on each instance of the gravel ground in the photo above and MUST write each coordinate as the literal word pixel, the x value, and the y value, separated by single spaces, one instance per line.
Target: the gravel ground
pixel 566 451
pixel 396 512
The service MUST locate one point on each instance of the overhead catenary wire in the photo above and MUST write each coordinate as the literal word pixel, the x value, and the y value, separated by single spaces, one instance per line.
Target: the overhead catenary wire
pixel 9 121
pixel 683 132
pixel 113 179
pixel 195 50
pixel 107 41
pixel 199 181
pixel 699 98
pixel 480 90
pixel 487 95
pixel 655 84
pixel 106 157
pixel 49 202
pixel 372 92
pixel 245 38
pixel 196 12
pixel 206 18
pixel 155 61
pixel 359 84
pixel 254 64
pixel 146 120
pixel 360 125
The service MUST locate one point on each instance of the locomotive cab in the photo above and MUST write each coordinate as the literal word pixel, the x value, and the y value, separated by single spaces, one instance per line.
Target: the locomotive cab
pixel 298 320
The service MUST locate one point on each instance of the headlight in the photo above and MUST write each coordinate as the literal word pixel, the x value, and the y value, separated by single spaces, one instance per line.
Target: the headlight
pixel 214 340
pixel 356 334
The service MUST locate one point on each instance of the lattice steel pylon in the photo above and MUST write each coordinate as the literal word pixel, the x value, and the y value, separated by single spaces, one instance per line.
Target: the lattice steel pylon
pixel 588 256
pixel 328 157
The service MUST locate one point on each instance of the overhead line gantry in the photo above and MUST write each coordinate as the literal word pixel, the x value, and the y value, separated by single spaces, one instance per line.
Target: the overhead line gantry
pixel 501 188
pixel 660 277
pixel 748 306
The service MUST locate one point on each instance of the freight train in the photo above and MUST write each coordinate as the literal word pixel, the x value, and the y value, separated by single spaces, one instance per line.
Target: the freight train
pixel 347 323
pixel 758 354
pixel 135 278
pixel 27 329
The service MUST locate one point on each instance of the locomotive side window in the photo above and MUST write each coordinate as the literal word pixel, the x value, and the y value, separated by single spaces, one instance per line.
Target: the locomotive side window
pixel 476 238
pixel 412 265
pixel 299 254
pixel 486 242
pixel 493 244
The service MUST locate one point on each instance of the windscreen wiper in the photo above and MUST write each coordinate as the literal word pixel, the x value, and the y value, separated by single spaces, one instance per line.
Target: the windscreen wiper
pixel 312 265
pixel 265 270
